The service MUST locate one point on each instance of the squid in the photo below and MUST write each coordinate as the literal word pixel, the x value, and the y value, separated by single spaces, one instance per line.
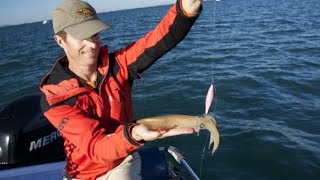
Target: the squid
pixel 207 122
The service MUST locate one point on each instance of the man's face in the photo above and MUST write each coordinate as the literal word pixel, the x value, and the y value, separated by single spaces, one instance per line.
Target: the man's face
pixel 81 52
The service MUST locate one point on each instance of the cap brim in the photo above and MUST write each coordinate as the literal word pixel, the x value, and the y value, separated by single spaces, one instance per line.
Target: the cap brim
pixel 86 29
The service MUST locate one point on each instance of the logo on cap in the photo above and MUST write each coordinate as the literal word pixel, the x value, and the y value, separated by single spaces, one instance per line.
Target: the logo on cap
pixel 85 12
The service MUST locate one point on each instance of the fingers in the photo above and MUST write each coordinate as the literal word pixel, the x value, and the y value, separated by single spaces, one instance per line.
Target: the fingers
pixel 141 132
pixel 176 132
pixel 191 7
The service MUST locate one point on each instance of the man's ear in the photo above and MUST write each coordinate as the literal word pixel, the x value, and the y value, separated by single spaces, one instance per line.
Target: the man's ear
pixel 59 40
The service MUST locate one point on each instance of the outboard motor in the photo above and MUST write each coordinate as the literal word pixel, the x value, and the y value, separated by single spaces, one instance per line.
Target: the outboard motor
pixel 26 136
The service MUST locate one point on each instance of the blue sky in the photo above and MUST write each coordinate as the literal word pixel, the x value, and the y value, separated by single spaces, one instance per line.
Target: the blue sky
pixel 25 11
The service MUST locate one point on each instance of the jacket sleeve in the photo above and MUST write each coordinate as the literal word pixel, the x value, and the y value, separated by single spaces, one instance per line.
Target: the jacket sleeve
pixel 141 54
pixel 85 134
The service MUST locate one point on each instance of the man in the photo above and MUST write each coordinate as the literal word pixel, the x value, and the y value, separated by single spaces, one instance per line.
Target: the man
pixel 87 93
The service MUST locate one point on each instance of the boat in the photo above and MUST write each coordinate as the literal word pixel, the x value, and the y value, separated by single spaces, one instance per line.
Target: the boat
pixel 44 22
pixel 31 148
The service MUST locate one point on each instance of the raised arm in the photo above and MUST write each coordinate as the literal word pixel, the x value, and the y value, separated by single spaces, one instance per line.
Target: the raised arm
pixel 174 26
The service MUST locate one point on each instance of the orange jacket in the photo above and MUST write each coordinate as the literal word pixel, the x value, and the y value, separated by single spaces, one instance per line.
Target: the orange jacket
pixel 96 124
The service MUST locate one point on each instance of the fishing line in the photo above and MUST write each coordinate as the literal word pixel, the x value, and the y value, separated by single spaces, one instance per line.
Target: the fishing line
pixel 212 90
pixel 213 31
pixel 213 52
pixel 202 156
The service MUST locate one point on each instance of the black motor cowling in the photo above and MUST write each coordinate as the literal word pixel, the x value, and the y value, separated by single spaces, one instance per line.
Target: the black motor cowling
pixel 26 136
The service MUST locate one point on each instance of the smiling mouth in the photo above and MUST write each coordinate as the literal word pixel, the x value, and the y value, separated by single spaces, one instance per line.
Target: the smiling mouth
pixel 89 53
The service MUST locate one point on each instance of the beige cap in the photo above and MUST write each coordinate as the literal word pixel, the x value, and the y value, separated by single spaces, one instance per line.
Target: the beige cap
pixel 77 18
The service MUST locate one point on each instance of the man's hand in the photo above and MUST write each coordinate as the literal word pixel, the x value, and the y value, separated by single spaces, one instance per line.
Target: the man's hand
pixel 141 132
pixel 191 7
